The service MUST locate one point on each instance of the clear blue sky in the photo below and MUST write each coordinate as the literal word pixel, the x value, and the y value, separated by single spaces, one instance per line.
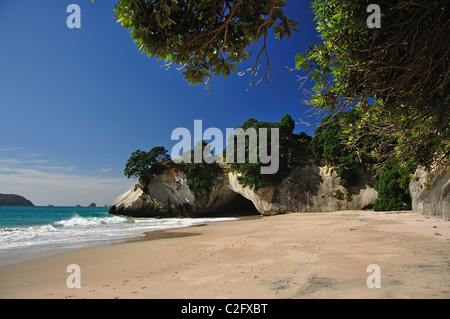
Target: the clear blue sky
pixel 75 103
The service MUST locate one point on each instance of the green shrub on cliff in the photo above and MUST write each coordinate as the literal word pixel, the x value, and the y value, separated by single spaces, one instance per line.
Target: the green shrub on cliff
pixel 292 153
pixel 200 176
pixel 143 164
pixel 329 143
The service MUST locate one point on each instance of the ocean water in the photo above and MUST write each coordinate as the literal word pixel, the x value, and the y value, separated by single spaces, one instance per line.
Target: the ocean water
pixel 31 232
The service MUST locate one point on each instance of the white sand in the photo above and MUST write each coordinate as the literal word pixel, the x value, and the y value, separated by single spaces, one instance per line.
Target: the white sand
pixel 304 255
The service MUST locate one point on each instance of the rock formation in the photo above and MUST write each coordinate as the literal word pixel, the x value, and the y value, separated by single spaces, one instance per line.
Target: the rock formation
pixel 306 189
pixel 430 192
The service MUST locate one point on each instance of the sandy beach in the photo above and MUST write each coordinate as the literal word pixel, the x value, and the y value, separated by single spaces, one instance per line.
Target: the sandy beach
pixel 303 255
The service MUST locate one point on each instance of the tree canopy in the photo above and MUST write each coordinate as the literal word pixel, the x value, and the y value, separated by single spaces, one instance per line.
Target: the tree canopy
pixel 143 164
pixel 396 75
pixel 330 143
pixel 201 176
pixel 205 37
pixel 393 188
pixel 292 148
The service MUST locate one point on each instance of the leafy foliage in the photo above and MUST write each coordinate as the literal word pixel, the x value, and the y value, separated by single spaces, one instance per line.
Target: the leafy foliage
pixel 330 143
pixel 143 164
pixel 393 189
pixel 396 76
pixel 203 36
pixel 292 151
pixel 200 176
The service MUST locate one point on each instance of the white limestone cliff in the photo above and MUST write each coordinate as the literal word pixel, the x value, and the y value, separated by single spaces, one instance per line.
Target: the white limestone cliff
pixel 307 189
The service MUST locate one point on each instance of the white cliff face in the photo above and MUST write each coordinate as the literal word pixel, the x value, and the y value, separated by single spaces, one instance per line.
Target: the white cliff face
pixel 130 197
pixel 260 198
pixel 307 189
pixel 430 192
pixel 171 189
pixel 166 194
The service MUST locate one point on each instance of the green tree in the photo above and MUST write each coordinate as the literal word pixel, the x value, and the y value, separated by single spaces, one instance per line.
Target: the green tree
pixel 330 142
pixel 205 37
pixel 393 189
pixel 143 164
pixel 292 152
pixel 200 176
pixel 396 76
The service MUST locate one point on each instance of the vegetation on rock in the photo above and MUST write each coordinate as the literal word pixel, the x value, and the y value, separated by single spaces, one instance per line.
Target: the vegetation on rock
pixel 292 153
pixel 330 143
pixel 201 176
pixel 144 165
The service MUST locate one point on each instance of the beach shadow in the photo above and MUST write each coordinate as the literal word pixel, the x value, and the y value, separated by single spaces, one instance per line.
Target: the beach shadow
pixel 161 234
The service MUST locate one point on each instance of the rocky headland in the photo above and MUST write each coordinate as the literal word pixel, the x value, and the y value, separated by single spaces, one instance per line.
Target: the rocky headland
pixel 306 189
pixel 14 200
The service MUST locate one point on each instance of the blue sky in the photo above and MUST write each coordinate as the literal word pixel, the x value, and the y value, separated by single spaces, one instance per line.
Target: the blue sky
pixel 75 103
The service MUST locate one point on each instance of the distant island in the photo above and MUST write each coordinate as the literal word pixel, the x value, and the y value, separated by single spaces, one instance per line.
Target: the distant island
pixel 14 200
pixel 91 205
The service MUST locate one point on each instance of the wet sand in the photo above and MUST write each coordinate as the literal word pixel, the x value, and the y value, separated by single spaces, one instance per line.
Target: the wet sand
pixel 303 255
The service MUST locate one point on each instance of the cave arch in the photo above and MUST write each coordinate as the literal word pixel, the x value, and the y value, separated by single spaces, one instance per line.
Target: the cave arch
pixel 235 205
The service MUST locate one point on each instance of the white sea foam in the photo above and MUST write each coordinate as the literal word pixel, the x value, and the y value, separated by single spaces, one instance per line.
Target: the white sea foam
pixel 90 221
pixel 85 229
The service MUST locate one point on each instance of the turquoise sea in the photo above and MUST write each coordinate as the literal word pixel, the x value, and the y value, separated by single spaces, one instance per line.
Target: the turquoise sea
pixel 11 216
pixel 31 232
